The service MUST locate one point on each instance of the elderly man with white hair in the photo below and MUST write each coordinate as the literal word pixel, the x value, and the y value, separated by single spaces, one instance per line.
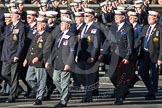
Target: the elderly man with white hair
pixel 151 54
pixel 62 57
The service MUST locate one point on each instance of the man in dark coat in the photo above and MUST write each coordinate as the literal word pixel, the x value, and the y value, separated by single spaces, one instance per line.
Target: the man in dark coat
pixel 12 49
pixel 36 74
pixel 87 54
pixel 151 54
pixel 120 42
pixel 62 57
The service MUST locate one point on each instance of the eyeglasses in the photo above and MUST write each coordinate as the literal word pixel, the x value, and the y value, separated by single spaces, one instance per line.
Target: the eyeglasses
pixel 28 17
pixel 86 15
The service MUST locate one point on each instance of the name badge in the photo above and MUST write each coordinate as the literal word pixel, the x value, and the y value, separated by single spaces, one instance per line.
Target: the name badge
pixel 65 42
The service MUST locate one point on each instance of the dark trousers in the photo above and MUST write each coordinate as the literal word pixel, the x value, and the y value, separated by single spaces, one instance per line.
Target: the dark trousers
pixel 89 73
pixel 150 79
pixel 10 74
pixel 121 88
pixel 22 75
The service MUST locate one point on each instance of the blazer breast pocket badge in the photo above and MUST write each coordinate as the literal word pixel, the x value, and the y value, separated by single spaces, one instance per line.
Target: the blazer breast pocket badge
pixel 40 45
pixel 65 42
pixel 89 39
pixel 156 39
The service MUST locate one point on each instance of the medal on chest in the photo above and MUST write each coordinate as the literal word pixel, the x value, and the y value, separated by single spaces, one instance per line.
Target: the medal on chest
pixel 14 37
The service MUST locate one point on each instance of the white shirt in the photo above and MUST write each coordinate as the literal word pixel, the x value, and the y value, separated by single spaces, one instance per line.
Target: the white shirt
pixel 152 27
pixel 15 23
pixel 120 25
pixel 134 24
pixel 79 26
pixel 83 31
pixel 32 25
pixel 64 35
pixel 40 33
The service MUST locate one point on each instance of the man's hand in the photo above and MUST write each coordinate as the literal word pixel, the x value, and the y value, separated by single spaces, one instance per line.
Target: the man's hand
pixel 76 59
pixel 35 60
pixel 90 60
pixel 15 59
pixel 47 65
pixel 100 58
pixel 25 63
pixel 67 68
pixel 159 62
pixel 125 61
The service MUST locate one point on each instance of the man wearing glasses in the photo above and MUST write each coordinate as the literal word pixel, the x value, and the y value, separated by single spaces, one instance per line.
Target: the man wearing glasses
pixel 87 54
pixel 30 31
pixel 151 54
pixel 11 52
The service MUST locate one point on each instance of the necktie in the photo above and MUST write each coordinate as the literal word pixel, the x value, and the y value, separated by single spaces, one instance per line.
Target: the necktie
pixel 85 29
pixel 146 39
pixel 60 39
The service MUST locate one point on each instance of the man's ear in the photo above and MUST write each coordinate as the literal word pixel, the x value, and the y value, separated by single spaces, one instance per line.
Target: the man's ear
pixel 19 16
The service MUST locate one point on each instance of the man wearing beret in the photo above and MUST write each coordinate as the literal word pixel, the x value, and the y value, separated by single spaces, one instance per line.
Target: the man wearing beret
pixel 12 49
pixel 36 74
pixel 151 54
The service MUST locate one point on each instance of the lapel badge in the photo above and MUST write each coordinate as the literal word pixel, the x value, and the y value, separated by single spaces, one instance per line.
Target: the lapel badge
pixel 157 33
pixel 89 39
pixel 40 45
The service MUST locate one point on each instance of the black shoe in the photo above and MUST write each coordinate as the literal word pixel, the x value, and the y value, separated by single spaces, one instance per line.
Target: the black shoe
pixel 150 97
pixel 37 102
pixel 86 100
pixel 59 105
pixel 10 100
pixel 118 101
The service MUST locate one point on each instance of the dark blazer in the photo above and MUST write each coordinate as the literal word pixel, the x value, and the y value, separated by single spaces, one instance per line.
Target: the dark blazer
pixel 89 45
pixel 13 42
pixel 154 43
pixel 63 55
pixel 79 30
pixel 36 50
pixel 121 41
pixel 137 31
pixel 50 42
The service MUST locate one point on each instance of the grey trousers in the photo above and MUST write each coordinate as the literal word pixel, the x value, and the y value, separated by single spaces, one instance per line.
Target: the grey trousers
pixel 62 80
pixel 10 74
pixel 36 78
